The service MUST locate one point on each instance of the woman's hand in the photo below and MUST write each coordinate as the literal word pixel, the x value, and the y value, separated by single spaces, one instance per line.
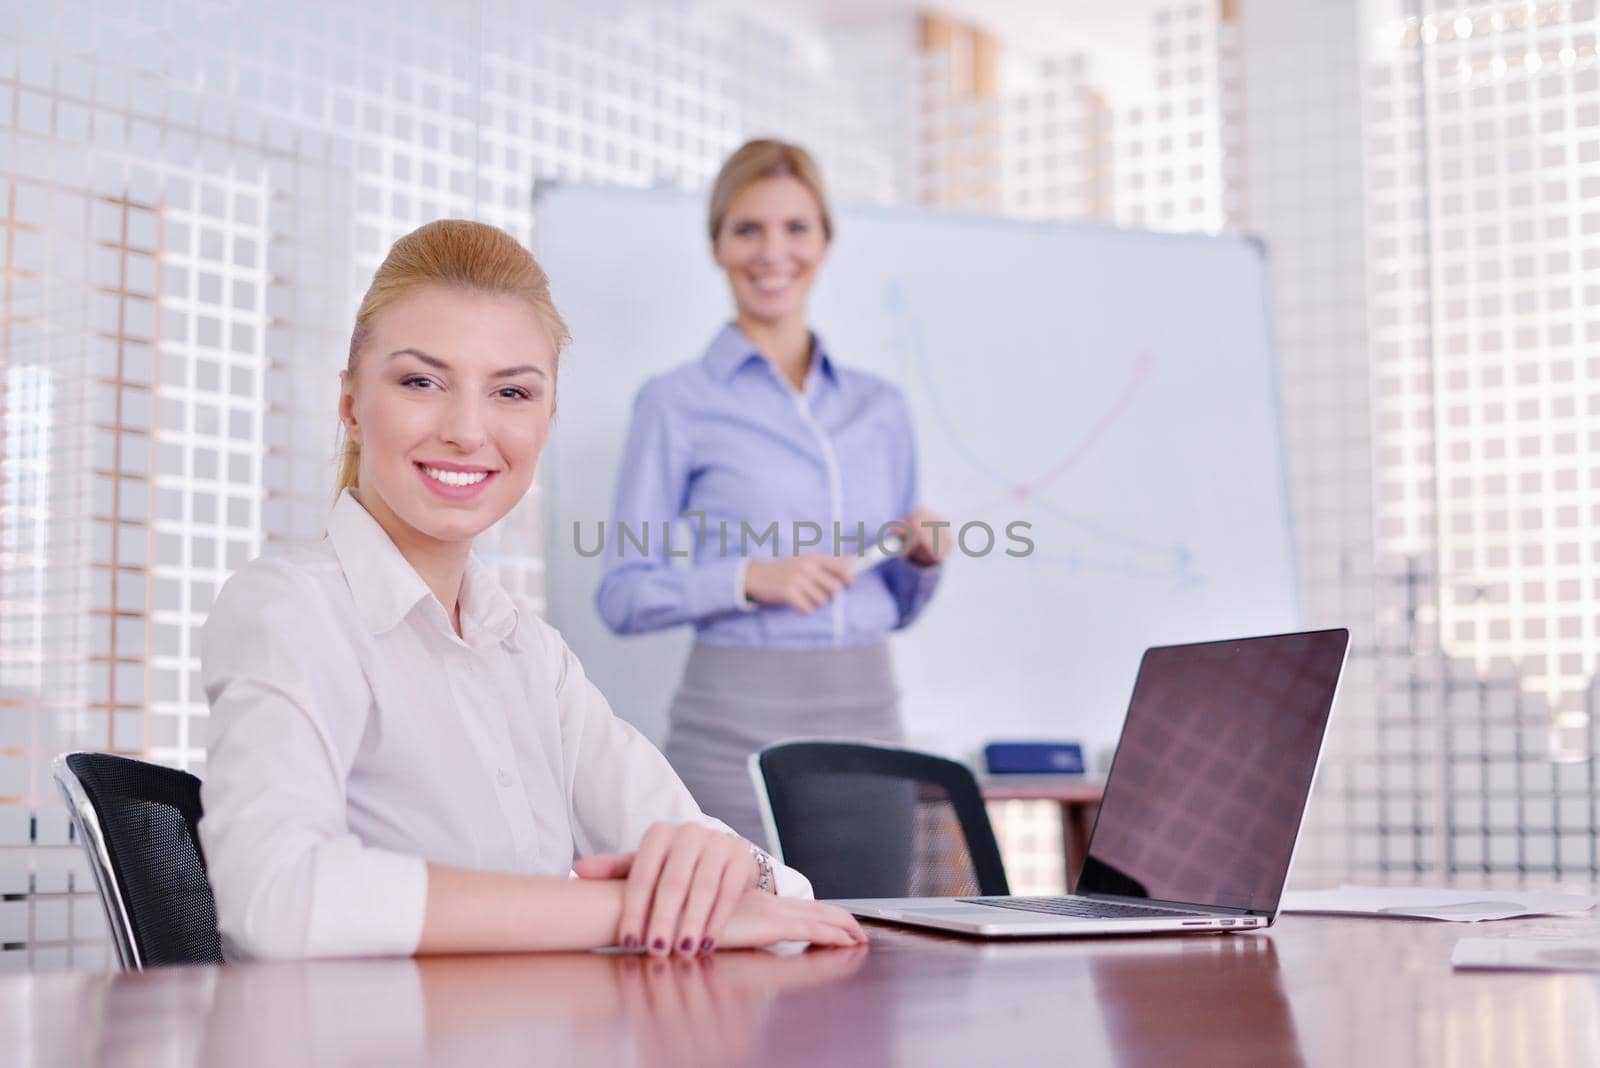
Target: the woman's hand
pixel 931 537
pixel 804 583
pixel 684 883
pixel 762 919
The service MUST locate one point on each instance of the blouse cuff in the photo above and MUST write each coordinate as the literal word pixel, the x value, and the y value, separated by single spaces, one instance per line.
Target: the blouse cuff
pixel 791 883
pixel 376 910
pixel 741 599
pixel 711 588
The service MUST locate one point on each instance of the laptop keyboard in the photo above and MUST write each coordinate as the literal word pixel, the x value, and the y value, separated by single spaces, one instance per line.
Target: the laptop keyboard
pixel 1079 906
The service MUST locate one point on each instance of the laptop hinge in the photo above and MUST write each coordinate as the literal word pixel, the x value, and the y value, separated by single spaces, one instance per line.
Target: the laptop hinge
pixel 1158 903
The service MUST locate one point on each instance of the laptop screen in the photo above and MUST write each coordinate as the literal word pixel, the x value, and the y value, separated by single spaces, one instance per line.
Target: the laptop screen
pixel 1211 776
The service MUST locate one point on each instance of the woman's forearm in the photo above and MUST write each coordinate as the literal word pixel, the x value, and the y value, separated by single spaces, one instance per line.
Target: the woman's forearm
pixel 491 912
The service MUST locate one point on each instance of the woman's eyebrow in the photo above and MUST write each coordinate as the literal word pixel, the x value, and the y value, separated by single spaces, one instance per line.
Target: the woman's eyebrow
pixel 524 369
pixel 440 365
pixel 431 361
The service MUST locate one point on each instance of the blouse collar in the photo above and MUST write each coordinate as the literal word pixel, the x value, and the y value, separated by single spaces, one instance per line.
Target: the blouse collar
pixel 730 350
pixel 387 588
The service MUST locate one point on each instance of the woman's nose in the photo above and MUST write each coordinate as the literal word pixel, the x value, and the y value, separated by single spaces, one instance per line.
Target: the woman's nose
pixel 771 246
pixel 462 424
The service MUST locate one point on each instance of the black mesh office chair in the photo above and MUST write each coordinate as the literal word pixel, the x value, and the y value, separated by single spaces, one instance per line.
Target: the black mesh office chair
pixel 137 824
pixel 874 821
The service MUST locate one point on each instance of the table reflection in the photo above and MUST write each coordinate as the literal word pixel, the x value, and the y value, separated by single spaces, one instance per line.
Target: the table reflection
pixel 1197 1000
pixel 617 1008
pixel 606 1008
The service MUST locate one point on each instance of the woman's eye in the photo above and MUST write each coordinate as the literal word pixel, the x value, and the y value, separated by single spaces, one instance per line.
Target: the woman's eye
pixel 417 382
pixel 799 227
pixel 514 393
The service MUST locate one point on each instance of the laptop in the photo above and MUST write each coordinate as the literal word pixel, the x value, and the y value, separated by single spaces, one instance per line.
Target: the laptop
pixel 1202 805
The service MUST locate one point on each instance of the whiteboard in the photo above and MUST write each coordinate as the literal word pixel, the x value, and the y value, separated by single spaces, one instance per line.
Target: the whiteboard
pixel 1115 389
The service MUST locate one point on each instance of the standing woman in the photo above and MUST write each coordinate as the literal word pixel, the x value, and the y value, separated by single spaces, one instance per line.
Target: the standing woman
pixel 767 438
pixel 403 757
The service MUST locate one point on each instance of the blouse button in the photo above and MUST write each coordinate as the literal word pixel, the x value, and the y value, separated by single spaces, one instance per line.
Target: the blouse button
pixel 504 778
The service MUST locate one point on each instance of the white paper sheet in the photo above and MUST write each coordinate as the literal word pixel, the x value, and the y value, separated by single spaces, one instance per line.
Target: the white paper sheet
pixel 1428 903
pixel 1521 954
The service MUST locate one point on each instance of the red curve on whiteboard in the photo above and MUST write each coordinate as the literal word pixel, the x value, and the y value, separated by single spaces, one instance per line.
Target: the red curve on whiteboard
pixel 1142 367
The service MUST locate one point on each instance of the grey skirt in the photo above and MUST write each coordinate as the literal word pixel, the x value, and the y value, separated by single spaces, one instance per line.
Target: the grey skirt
pixel 735 700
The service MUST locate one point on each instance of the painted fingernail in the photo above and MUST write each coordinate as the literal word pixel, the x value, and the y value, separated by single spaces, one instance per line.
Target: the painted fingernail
pixel 707 945
pixel 659 945
pixel 630 942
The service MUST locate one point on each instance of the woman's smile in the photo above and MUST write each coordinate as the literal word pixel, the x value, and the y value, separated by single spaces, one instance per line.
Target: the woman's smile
pixel 455 481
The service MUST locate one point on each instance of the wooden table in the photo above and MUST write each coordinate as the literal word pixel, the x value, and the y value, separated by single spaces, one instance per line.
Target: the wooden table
pixel 1078 798
pixel 1313 990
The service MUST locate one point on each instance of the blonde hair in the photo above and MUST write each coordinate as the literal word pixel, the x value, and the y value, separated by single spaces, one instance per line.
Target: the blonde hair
pixel 451 252
pixel 756 160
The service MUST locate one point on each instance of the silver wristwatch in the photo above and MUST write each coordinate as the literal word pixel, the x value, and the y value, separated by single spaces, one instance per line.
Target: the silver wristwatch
pixel 766 880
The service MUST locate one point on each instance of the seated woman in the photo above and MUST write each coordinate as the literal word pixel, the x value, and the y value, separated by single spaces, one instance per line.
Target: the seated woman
pixel 406 759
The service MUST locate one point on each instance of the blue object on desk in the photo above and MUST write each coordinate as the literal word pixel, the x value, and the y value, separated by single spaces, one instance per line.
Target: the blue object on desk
pixel 1034 758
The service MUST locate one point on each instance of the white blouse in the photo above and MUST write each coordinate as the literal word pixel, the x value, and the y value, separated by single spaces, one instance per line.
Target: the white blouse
pixel 355 737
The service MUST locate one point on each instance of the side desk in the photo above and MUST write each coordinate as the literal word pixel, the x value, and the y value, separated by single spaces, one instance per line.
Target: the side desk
pixel 1078 798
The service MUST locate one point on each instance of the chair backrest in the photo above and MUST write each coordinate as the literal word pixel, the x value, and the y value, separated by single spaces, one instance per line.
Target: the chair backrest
pixel 874 821
pixel 137 823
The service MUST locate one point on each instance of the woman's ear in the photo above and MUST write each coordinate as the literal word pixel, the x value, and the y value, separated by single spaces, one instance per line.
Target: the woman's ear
pixel 347 407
